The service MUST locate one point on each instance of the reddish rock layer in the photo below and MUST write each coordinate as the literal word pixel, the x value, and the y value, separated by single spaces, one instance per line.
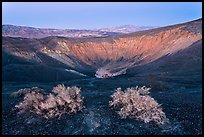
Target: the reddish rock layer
pixel 111 55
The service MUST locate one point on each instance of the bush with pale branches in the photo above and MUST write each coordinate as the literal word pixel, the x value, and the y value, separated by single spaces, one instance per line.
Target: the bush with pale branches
pixel 62 100
pixel 135 103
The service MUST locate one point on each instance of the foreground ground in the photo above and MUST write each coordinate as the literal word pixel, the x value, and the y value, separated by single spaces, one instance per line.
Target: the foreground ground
pixel 182 105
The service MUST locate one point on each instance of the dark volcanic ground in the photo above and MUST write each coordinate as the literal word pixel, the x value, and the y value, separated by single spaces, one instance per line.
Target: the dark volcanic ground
pixel 181 102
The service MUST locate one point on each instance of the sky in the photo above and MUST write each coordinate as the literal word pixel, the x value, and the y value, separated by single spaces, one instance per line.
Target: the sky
pixel 93 15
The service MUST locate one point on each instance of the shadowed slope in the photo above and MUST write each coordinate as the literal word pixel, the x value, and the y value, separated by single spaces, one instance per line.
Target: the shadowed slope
pixel 109 56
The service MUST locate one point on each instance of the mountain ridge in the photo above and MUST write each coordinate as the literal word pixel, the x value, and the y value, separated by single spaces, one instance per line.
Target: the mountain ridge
pixel 107 56
pixel 32 32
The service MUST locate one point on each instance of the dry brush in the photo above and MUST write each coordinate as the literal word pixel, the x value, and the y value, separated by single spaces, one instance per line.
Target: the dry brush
pixel 61 100
pixel 135 103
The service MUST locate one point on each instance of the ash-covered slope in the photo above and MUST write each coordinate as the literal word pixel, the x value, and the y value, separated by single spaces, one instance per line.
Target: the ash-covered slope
pixel 181 68
pixel 188 60
pixel 110 56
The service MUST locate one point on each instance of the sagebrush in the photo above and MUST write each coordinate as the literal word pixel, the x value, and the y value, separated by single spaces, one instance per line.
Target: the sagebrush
pixel 135 103
pixel 61 100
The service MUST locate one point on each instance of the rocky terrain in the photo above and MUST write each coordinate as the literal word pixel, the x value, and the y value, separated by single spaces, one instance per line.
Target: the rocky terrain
pixel 182 106
pixel 105 57
pixel 167 59
pixel 127 29
pixel 31 32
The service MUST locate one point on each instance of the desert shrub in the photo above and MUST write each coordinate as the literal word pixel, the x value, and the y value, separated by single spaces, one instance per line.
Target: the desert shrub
pixel 135 103
pixel 60 101
pixel 30 103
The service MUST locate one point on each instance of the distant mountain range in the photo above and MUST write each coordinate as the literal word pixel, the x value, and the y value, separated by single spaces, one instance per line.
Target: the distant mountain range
pixel 127 28
pixel 31 32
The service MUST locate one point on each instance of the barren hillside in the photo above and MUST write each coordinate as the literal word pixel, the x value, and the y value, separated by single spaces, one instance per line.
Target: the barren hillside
pixel 105 57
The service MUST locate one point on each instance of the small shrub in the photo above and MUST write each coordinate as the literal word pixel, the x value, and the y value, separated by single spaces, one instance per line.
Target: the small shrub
pixel 30 103
pixel 135 103
pixel 62 100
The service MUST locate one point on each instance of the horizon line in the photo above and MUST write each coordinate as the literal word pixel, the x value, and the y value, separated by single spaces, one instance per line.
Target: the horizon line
pixel 35 27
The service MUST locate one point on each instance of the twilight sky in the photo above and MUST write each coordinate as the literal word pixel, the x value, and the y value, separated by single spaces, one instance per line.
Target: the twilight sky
pixel 90 15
